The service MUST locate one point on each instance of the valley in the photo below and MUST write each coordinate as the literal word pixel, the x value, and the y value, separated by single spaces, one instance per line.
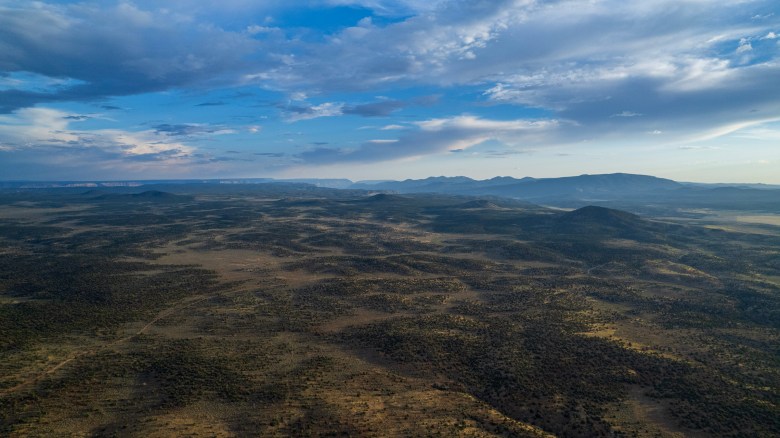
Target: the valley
pixel 286 309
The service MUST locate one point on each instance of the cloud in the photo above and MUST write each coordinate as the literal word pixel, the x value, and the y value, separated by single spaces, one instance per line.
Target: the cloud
pixel 123 50
pixel 190 129
pixel 44 136
pixel 626 114
pixel 677 98
pixel 78 117
pixel 604 69
pixel 744 46
pixel 296 113
pixel 424 47
pixel 257 29
pixel 436 136
pixel 391 7
pixel 696 148
pixel 45 143
pixel 382 108
pixel 386 107
pixel 506 153
pixel 672 62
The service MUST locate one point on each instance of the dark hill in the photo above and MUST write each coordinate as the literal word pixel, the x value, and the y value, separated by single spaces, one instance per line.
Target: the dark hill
pixel 600 215
pixel 600 221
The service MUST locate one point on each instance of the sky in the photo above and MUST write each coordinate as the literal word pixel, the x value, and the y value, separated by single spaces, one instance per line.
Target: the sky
pixel 380 89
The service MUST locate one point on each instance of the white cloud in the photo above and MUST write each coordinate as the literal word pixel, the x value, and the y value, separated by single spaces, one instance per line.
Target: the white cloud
pixel 744 46
pixel 30 125
pixel 437 136
pixel 140 143
pixel 582 61
pixel 257 29
pixel 626 114
pixel 32 128
pixel 728 128
pixel 327 109
pixel 392 7
pixel 701 73
pixel 472 123
pixel 762 132
pixel 298 96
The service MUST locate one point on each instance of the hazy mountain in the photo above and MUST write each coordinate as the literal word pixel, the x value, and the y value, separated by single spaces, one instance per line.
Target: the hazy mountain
pixel 638 193
pixel 609 186
pixel 329 183
pixel 617 190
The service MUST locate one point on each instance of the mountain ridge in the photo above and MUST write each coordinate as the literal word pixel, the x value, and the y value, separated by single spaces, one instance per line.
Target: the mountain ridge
pixel 609 185
pixel 638 193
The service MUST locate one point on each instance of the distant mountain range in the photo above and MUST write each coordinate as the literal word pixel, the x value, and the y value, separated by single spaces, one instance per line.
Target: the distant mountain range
pixel 617 190
pixel 585 187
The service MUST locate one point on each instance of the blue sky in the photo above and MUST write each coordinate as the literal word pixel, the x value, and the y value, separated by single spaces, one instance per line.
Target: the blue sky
pixel 377 89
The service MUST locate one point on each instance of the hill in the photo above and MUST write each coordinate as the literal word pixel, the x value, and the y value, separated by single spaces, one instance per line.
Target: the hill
pixel 594 215
pixel 601 221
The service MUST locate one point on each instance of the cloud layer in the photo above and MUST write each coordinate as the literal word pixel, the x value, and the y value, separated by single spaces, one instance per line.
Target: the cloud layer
pixel 440 76
pixel 436 136
pixel 114 51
